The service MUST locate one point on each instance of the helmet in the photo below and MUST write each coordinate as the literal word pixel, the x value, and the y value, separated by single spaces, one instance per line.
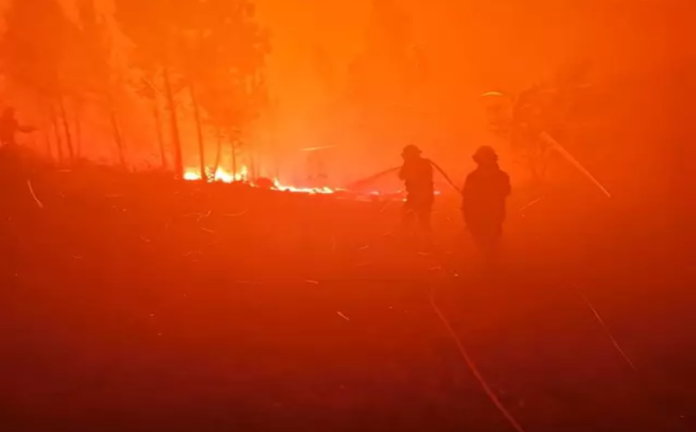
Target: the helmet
pixel 410 151
pixel 485 154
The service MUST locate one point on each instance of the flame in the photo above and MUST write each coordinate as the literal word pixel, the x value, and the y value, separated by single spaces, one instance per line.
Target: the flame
pixel 224 176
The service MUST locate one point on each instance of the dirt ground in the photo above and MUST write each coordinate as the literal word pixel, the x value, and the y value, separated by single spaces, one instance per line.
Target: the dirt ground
pixel 137 304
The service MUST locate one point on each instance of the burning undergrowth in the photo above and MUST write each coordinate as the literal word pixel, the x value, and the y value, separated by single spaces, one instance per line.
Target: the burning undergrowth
pixel 242 176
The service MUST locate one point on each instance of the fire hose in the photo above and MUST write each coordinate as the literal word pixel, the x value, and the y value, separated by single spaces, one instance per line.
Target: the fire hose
pixel 380 174
pixel 544 136
pixel 547 139
pixel 370 179
pixel 447 178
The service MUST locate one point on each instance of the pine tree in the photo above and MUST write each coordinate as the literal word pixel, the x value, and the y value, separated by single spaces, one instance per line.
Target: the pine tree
pixel 214 49
pixel 96 78
pixel 232 87
pixel 33 52
pixel 155 29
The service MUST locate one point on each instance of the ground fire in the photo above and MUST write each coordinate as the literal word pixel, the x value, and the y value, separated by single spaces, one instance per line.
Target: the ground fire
pixel 242 176
pixel 224 176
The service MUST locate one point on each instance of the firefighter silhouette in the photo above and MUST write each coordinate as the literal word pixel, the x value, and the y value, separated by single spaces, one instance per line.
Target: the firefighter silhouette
pixel 417 175
pixel 484 199
pixel 9 127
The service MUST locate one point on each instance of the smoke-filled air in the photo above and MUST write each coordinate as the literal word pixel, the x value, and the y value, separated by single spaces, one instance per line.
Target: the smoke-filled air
pixel 266 215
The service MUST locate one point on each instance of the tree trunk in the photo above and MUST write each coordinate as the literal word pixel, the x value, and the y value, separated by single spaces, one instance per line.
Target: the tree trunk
pixel 218 153
pixel 59 142
pixel 66 128
pixel 254 172
pixel 47 139
pixel 178 159
pixel 78 130
pixel 46 132
pixel 116 130
pixel 160 135
pixel 274 137
pixel 56 131
pixel 234 159
pixel 538 167
pixel 199 131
